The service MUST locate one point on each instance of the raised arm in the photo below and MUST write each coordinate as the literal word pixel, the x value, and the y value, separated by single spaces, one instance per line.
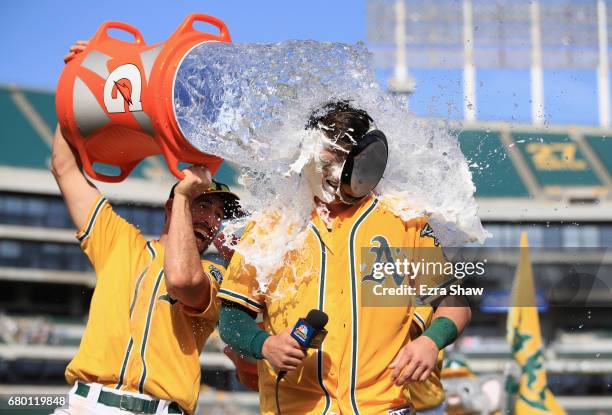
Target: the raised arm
pixel 185 277
pixel 78 192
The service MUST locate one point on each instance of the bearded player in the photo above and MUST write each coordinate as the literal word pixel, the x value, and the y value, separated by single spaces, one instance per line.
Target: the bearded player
pixel 154 304
pixel 367 358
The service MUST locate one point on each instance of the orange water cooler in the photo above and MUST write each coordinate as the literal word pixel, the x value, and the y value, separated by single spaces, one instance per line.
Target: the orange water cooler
pixel 115 100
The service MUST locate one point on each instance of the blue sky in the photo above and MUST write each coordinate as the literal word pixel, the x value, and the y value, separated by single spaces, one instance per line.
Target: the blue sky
pixel 36 34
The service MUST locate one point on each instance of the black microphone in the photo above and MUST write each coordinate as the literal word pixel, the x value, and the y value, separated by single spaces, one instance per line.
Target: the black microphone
pixel 309 332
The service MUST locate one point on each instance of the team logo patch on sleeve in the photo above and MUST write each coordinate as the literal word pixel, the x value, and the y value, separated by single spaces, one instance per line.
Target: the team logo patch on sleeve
pixel 428 231
pixel 216 273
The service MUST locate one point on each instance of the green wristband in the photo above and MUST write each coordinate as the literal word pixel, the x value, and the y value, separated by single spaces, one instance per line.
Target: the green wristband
pixel 443 331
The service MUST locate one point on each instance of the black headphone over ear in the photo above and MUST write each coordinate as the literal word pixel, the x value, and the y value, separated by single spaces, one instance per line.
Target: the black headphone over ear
pixel 364 166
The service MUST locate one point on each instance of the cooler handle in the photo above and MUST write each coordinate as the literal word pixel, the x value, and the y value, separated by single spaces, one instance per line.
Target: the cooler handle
pixel 102 32
pixel 212 162
pixel 171 159
pixel 187 25
pixel 91 172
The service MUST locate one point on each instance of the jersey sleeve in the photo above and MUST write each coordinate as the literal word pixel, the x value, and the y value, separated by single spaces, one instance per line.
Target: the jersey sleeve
pixel 436 269
pixel 422 317
pixel 215 271
pixel 241 286
pixel 103 230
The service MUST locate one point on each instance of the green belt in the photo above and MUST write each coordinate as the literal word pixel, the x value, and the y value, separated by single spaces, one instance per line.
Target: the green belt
pixel 127 402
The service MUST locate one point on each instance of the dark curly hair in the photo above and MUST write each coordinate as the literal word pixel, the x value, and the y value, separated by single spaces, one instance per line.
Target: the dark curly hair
pixel 340 122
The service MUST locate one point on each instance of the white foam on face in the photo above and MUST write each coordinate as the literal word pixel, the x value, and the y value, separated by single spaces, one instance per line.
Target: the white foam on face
pixel 250 104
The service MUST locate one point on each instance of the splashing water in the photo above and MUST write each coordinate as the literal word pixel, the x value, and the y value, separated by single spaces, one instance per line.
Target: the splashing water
pixel 250 103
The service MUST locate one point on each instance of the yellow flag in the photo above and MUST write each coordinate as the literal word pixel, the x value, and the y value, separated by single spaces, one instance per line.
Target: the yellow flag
pixel 523 334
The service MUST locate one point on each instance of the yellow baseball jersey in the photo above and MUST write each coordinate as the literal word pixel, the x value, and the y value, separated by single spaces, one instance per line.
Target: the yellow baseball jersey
pixel 138 338
pixel 350 373
pixel 429 393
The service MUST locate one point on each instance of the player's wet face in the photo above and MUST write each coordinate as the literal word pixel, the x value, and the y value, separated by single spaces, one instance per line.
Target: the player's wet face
pixel 206 214
pixel 331 160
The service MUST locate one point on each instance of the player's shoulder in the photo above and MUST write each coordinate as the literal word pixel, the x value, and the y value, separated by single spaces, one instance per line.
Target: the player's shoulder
pixel 104 223
pixel 410 219
pixel 100 210
pixel 109 212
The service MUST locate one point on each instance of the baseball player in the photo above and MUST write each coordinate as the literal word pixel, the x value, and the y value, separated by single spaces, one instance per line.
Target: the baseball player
pixel 154 304
pixel 367 357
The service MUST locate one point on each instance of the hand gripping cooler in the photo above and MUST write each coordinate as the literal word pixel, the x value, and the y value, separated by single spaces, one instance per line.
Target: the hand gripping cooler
pixel 115 100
